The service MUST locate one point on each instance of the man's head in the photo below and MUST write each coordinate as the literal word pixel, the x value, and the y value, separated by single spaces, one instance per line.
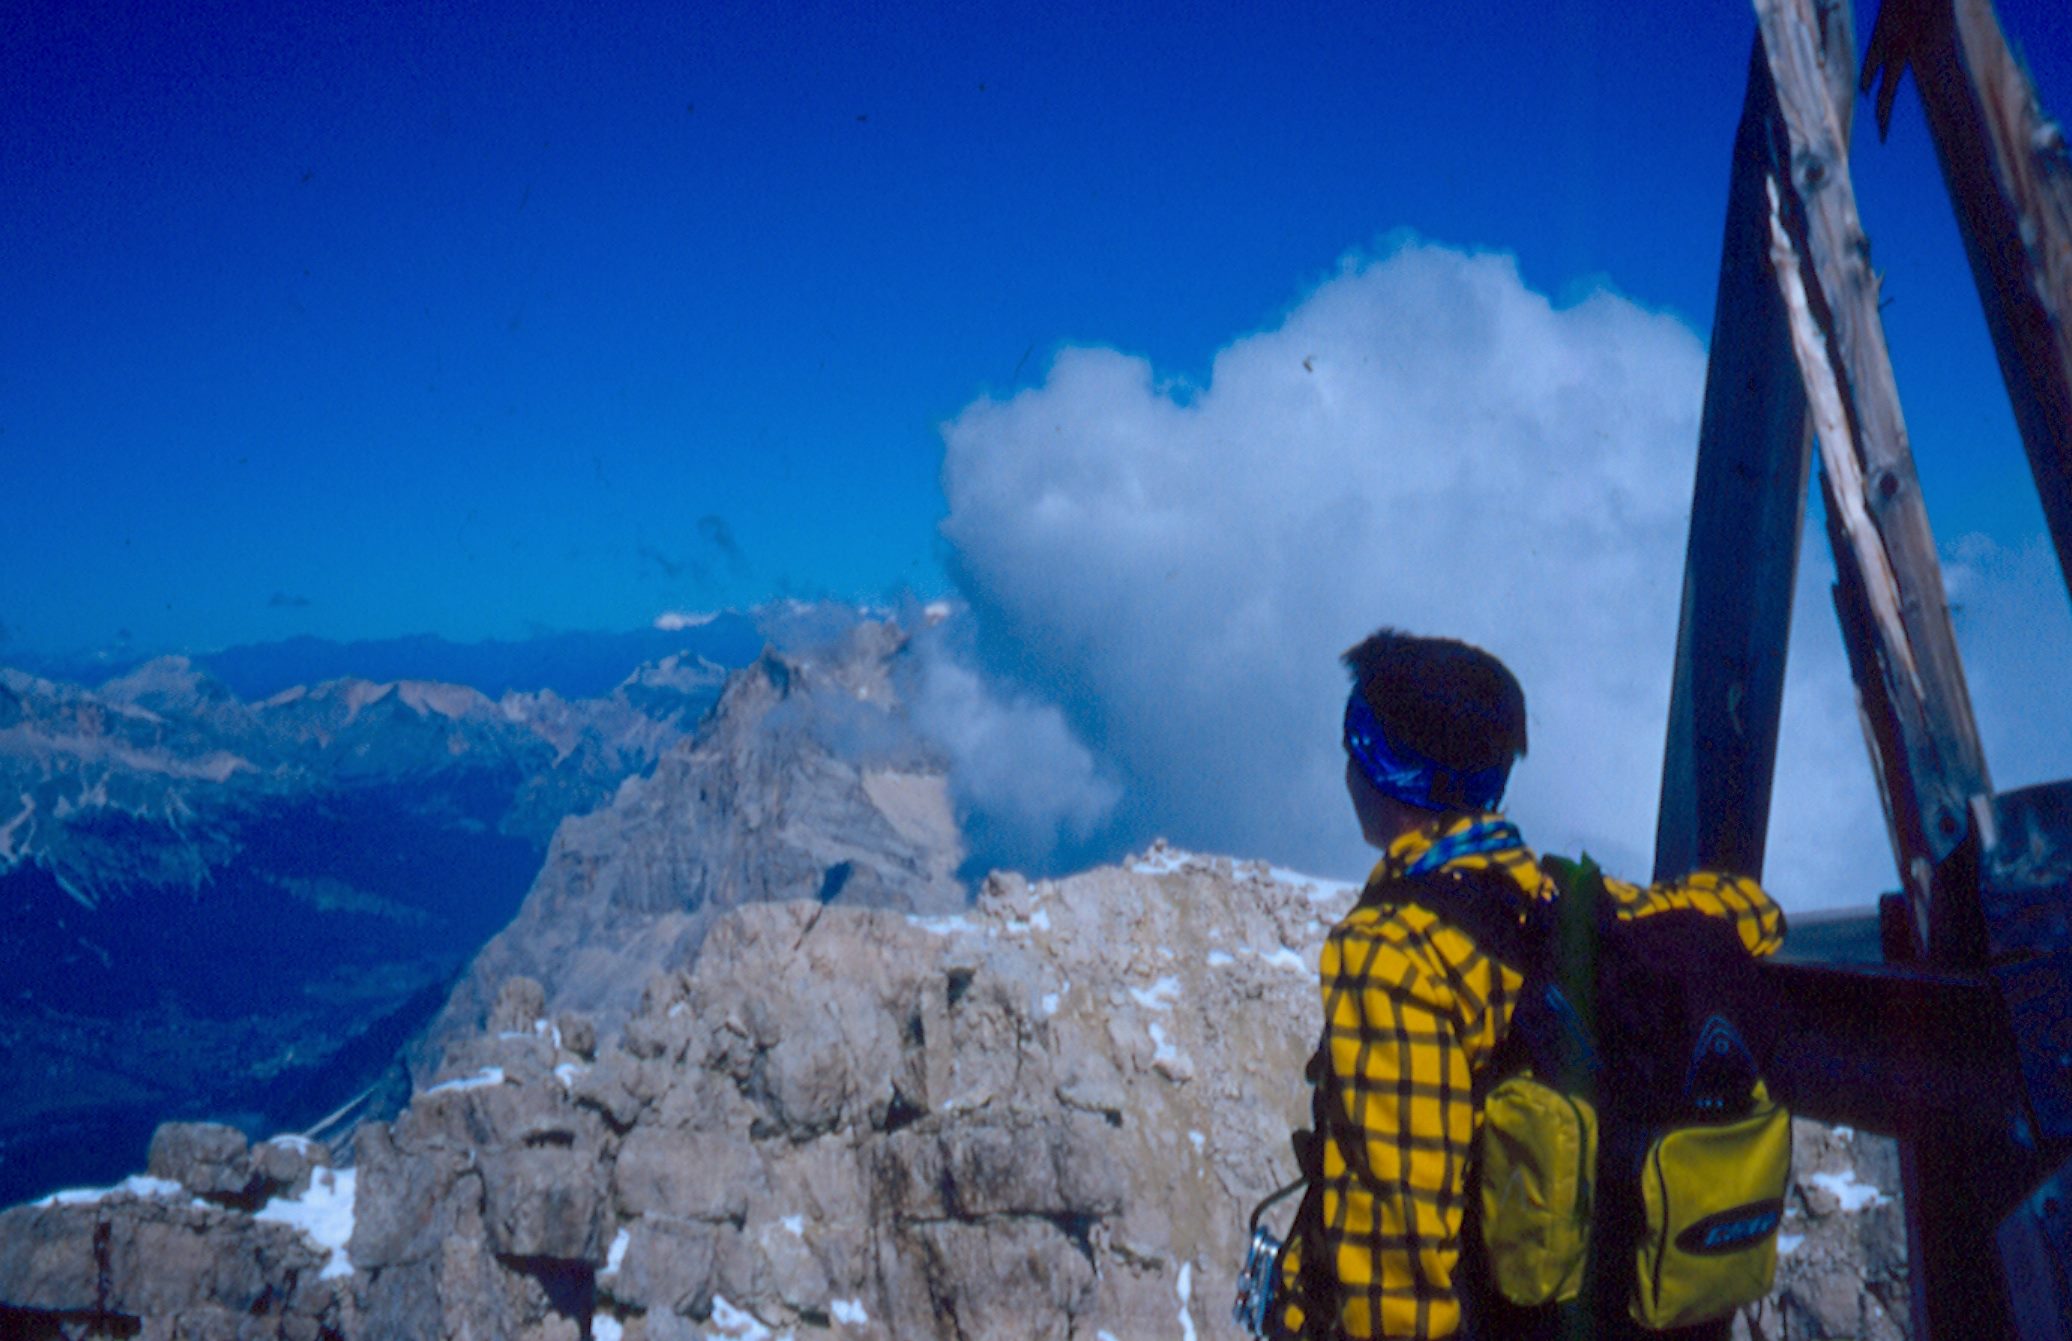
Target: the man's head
pixel 1431 727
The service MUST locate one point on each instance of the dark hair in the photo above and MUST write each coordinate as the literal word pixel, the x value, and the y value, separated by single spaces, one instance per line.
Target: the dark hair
pixel 1453 703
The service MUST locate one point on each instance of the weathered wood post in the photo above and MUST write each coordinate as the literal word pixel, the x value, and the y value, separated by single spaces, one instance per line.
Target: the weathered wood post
pixel 2010 181
pixel 1748 509
pixel 1916 708
pixel 1916 704
pixel 1961 1053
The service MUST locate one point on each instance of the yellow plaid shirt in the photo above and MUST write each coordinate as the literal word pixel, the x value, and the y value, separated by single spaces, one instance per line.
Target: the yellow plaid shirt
pixel 1416 1011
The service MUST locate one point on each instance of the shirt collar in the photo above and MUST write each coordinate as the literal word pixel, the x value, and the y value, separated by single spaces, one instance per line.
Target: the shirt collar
pixel 1483 841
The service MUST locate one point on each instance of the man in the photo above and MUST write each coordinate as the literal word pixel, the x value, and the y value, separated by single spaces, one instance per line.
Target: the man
pixel 1416 1010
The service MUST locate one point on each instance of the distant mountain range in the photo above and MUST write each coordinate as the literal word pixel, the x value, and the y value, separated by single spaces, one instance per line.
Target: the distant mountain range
pixel 573 665
pixel 217 900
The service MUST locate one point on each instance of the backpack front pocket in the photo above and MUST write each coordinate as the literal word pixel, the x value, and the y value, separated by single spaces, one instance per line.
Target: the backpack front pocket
pixel 1713 1197
pixel 1539 1161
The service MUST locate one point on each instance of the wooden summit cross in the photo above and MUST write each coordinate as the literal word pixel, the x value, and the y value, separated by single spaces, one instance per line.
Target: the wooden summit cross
pixel 1961 1043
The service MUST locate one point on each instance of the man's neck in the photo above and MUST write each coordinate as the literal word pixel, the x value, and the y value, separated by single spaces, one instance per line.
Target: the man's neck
pixel 1405 820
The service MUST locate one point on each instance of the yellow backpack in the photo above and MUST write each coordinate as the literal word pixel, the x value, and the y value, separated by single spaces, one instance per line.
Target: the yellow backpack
pixel 1630 1154
pixel 1630 1159
pixel 1711 1197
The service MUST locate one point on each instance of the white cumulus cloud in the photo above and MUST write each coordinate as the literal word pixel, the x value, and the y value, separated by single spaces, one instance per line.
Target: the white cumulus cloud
pixel 2014 628
pixel 1422 442
pixel 1025 786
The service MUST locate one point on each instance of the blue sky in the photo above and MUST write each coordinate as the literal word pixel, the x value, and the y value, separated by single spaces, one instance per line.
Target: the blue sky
pixel 371 319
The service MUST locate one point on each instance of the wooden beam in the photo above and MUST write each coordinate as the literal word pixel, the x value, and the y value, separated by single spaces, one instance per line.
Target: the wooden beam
pixel 1910 680
pixel 1747 514
pixel 1891 1050
pixel 1910 685
pixel 1740 562
pixel 2010 181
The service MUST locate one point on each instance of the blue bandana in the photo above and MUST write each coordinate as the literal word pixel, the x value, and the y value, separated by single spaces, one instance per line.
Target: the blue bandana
pixel 1407 776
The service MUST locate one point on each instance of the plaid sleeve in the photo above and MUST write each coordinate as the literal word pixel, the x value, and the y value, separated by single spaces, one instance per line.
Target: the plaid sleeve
pixel 1395 1164
pixel 1716 894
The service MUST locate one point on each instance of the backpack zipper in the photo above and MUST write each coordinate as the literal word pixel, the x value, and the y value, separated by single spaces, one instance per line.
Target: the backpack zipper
pixel 1585 1193
pixel 1662 1243
pixel 1583 1189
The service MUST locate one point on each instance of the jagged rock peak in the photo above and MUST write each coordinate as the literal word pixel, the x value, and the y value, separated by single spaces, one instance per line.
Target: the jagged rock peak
pixel 804 782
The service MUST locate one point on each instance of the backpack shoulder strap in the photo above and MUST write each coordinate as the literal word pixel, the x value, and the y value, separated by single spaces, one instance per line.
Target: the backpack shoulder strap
pixel 1534 938
pixel 1485 905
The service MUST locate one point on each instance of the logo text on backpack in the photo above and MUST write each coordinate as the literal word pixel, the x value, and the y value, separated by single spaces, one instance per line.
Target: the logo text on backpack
pixel 1732 1230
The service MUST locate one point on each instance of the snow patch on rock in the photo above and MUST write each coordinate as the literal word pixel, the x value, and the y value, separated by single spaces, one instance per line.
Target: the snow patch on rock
pixel 324 1214
pixel 136 1185
pixel 1159 995
pixel 1846 1189
pixel 488 1075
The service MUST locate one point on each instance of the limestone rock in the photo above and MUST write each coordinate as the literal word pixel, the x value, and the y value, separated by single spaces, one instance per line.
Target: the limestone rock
pixel 518 1005
pixel 578 1034
pixel 207 1158
pixel 1841 1270
pixel 285 1164
pixel 158 1260
pixel 1047 1115
pixel 967 1125
pixel 804 783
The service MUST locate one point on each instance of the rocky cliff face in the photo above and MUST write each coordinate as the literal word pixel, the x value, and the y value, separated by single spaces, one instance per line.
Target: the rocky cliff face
pixel 806 783
pixel 1044 1116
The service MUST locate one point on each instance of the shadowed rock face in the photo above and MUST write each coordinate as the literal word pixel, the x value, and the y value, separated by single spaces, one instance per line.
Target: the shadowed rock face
pixel 1045 1116
pixel 192 1270
pixel 805 783
pixel 178 1250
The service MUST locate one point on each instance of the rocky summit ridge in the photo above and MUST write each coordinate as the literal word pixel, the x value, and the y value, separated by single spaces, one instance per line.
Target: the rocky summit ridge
pixel 1046 1115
